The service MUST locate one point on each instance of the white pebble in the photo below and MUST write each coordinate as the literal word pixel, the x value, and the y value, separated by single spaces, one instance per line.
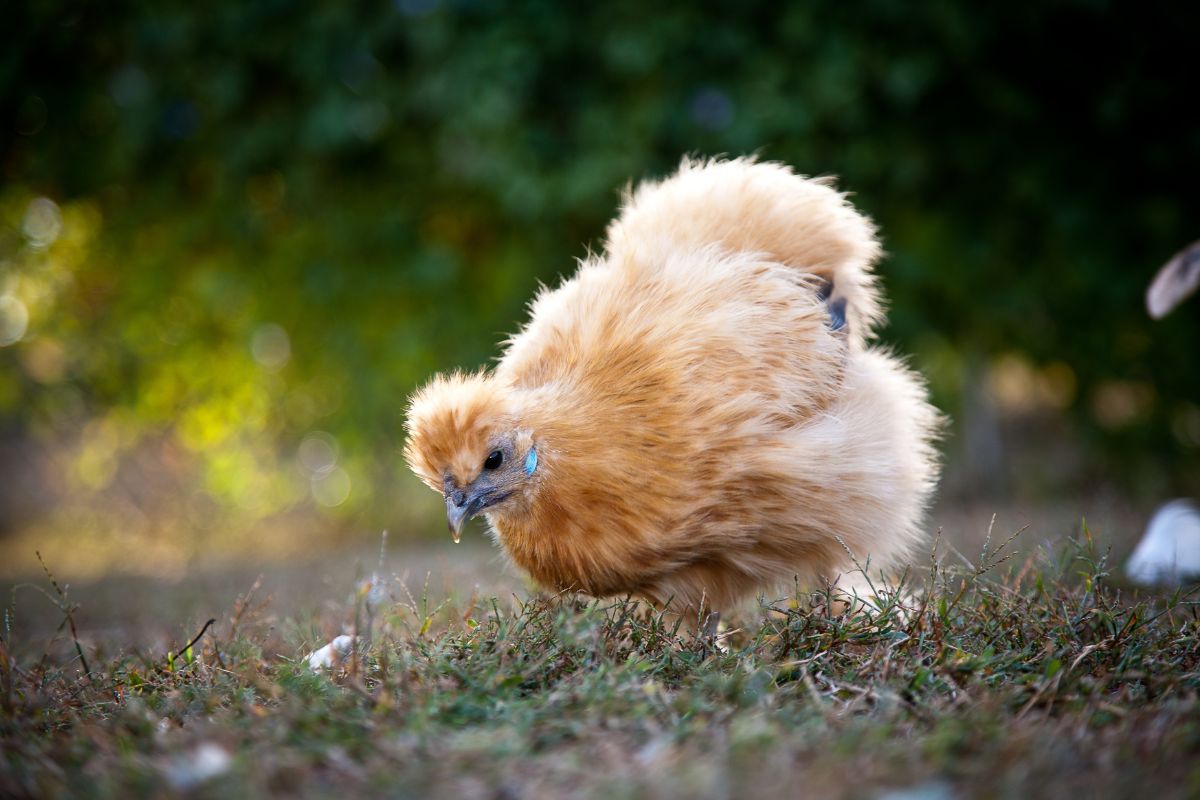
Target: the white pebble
pixel 335 651
pixel 205 762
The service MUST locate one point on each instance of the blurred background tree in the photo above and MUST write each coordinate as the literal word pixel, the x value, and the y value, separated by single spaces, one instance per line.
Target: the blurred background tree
pixel 235 235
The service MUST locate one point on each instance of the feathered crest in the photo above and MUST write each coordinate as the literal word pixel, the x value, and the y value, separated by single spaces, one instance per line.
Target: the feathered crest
pixel 450 420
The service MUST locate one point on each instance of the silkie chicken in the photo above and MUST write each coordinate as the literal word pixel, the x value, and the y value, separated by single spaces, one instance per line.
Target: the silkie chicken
pixel 697 414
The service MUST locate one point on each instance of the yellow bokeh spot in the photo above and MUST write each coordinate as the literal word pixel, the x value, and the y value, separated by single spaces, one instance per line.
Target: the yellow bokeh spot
pixel 44 360
pixel 98 459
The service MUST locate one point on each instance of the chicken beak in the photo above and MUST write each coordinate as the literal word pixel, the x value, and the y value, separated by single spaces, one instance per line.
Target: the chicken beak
pixel 471 504
pixel 456 517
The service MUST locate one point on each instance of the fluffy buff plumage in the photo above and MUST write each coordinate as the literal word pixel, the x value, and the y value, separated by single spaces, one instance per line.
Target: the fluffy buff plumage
pixel 696 415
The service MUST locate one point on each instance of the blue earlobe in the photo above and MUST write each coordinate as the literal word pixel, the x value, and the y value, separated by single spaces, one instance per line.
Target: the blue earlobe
pixel 531 461
pixel 837 314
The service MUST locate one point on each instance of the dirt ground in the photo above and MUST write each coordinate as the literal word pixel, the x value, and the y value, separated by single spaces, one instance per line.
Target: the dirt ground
pixel 124 612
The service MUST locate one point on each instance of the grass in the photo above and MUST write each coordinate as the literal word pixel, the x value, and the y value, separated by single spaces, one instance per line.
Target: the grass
pixel 1008 678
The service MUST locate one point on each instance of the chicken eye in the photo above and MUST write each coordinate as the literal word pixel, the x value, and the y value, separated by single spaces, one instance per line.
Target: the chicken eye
pixel 494 460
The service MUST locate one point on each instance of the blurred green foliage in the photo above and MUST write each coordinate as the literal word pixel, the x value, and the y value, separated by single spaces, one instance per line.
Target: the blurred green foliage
pixel 271 219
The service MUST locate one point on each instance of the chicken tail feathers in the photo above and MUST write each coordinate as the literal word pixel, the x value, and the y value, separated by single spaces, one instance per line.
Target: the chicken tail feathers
pixel 743 205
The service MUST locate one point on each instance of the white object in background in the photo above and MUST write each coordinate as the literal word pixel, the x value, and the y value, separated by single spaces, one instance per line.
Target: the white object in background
pixel 1178 278
pixel 337 650
pixel 1169 552
pixel 205 762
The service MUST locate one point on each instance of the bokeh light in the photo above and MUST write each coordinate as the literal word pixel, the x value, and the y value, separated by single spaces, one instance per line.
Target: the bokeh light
pixel 318 453
pixel 271 346
pixel 42 223
pixel 331 488
pixel 14 320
